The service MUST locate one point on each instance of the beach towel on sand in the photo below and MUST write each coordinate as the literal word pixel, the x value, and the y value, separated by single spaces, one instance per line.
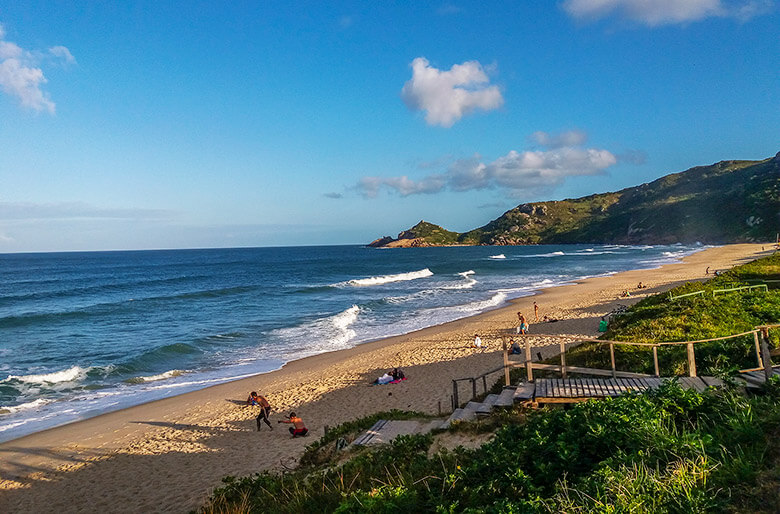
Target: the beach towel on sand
pixel 391 382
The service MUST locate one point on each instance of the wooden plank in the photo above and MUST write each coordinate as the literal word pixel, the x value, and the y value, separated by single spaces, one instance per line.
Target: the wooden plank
pixel 614 390
pixel 561 400
pixel 654 383
pixel 600 387
pixel 713 381
pixel 579 387
pixel 586 388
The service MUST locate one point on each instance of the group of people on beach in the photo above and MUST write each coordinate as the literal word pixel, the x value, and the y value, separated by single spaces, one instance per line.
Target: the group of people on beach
pixel 298 429
pixel 393 376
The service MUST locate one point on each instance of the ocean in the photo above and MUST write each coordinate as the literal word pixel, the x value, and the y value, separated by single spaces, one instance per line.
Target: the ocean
pixel 89 332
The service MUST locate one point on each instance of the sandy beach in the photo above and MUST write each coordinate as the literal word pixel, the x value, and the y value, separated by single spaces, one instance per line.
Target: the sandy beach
pixel 169 454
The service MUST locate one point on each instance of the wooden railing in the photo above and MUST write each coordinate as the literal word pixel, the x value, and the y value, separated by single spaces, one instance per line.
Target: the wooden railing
pixel 473 380
pixel 760 338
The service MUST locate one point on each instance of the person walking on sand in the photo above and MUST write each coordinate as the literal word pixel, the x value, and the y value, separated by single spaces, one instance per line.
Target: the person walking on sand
pixel 536 312
pixel 265 409
pixel 523 328
pixel 477 341
pixel 298 429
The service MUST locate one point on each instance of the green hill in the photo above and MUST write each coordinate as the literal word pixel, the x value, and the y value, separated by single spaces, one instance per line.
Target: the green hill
pixel 727 202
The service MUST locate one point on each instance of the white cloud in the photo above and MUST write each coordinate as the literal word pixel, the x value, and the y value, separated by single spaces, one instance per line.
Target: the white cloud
pixel 516 172
pixel 665 12
pixel 21 76
pixel 62 53
pixel 447 96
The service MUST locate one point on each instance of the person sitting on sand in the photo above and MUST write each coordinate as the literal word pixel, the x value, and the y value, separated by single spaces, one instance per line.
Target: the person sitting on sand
pixel 640 286
pixel 515 348
pixel 397 374
pixel 477 341
pixel 384 379
pixel 626 294
pixel 298 429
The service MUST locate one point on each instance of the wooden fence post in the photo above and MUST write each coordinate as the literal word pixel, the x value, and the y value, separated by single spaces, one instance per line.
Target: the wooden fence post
pixel 765 353
pixel 758 349
pixel 506 361
pixel 529 371
pixel 691 361
pixel 612 358
pixel 563 359
pixel 455 402
pixel 655 361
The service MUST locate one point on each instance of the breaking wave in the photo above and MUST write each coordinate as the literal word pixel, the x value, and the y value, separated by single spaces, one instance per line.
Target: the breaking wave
pixel 72 374
pixel 499 256
pixel 386 279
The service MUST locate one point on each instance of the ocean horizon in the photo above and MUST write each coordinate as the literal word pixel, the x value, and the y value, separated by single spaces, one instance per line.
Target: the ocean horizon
pixel 84 333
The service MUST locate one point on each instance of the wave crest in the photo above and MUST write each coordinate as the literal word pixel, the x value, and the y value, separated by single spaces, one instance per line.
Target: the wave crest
pixel 71 374
pixel 386 279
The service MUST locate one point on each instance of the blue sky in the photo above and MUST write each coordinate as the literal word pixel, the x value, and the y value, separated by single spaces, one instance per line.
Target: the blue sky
pixel 150 125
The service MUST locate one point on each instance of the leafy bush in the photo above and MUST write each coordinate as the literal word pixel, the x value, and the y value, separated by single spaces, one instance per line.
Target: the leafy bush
pixel 670 450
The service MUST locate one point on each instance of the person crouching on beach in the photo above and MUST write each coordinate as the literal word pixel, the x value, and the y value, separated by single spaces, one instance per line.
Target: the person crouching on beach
pixel 523 328
pixel 477 341
pixel 298 429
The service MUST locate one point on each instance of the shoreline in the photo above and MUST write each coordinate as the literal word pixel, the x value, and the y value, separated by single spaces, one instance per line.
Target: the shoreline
pixel 195 438
pixel 200 376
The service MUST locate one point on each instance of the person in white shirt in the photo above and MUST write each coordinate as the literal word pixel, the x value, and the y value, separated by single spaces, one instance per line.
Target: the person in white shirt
pixel 477 341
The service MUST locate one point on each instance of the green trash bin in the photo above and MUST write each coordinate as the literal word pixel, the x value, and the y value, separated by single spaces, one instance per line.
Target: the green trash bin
pixel 603 325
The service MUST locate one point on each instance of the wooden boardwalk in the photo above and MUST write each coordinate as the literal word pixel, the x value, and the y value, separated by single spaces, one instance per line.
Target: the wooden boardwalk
pixel 570 390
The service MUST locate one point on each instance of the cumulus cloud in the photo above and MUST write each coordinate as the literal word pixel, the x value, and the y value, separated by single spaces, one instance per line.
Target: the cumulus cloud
pixel 22 77
pixel 446 96
pixel 516 172
pixel 665 12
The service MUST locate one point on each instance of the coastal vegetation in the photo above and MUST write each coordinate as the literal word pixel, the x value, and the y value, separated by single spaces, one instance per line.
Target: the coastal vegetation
pixel 716 312
pixel 730 201
pixel 665 450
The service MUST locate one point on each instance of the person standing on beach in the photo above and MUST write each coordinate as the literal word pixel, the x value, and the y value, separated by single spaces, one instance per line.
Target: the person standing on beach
pixel 477 341
pixel 265 409
pixel 536 312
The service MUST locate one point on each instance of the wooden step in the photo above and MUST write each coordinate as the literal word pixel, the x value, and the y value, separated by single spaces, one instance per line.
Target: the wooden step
pixel 506 398
pixel 490 399
pixel 525 391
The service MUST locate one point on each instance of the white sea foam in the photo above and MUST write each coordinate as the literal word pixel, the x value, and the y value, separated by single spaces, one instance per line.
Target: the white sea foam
pixel 24 406
pixel 551 254
pixel 499 256
pixel 466 283
pixel 154 378
pixel 71 374
pixel 495 300
pixel 386 279
pixel 324 333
